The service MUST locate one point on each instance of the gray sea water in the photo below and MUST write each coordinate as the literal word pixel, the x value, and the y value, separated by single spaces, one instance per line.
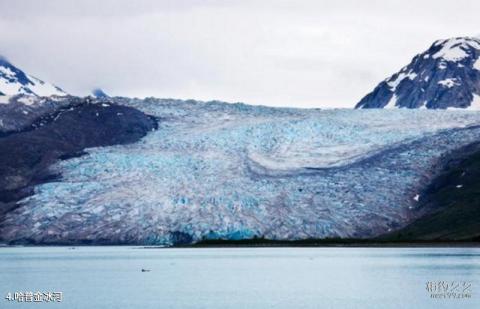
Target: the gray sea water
pixel 111 277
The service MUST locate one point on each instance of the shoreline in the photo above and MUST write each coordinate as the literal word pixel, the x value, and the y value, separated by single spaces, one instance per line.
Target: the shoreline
pixel 274 244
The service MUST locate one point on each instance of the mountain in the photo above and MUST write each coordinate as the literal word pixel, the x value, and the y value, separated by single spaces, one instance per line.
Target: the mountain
pixel 447 75
pixel 99 93
pixel 14 81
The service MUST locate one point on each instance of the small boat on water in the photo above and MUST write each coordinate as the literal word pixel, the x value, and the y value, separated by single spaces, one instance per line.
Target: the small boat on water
pixel 145 270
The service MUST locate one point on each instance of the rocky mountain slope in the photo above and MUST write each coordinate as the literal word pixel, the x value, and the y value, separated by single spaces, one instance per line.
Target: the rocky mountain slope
pixel 14 81
pixel 447 75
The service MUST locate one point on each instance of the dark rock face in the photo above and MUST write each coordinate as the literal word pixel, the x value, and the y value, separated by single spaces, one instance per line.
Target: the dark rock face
pixel 26 155
pixel 446 75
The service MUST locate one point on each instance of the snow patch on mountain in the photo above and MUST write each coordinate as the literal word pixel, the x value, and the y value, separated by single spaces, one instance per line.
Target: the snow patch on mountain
pixel 4 99
pixel 395 81
pixel 454 49
pixel 449 82
pixel 392 102
pixel 476 65
pixel 475 103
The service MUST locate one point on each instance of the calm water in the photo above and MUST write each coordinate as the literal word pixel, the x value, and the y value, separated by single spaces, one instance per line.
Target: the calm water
pixel 111 277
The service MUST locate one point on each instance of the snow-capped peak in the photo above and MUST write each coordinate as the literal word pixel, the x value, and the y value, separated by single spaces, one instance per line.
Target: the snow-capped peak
pixel 14 81
pixel 447 75
pixel 456 49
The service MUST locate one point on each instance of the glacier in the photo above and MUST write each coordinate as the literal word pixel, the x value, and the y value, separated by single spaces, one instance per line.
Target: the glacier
pixel 214 170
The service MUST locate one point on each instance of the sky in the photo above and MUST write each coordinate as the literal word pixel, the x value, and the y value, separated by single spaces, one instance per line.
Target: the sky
pixel 324 53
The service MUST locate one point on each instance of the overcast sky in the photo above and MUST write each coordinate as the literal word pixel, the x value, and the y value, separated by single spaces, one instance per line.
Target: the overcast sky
pixel 280 53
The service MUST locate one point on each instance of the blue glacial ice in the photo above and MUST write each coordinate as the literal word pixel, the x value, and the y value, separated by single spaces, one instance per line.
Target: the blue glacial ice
pixel 233 171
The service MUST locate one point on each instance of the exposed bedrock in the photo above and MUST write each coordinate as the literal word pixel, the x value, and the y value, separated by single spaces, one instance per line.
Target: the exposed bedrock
pixel 26 155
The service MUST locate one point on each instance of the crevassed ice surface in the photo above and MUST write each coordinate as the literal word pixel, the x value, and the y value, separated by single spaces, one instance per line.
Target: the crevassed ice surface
pixel 214 170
